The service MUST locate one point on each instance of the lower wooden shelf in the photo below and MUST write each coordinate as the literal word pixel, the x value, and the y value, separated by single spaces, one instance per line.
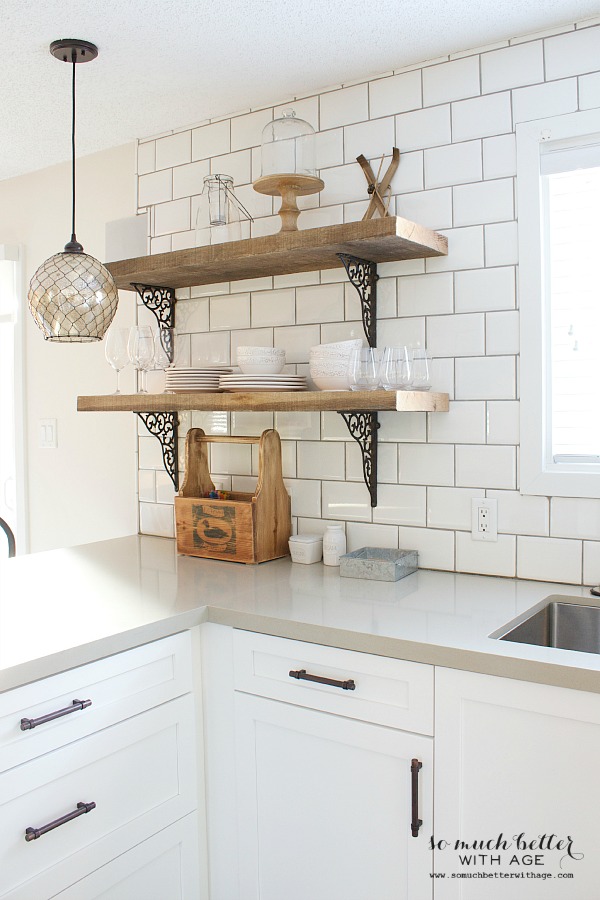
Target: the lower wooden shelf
pixel 270 401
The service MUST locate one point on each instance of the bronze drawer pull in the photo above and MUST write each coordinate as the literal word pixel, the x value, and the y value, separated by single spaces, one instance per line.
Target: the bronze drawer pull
pixel 32 834
pixel 28 724
pixel 416 822
pixel 302 675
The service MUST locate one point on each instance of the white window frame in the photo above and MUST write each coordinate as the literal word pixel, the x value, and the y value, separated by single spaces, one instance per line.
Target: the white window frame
pixel 539 474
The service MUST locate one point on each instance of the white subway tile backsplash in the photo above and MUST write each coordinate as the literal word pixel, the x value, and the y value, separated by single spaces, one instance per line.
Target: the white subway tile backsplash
pixel 503 422
pixel 329 148
pixel 426 295
pixel 231 458
pixel 591 562
pixel 467 250
pixel 146 157
pixel 485 378
pixel 210 349
pixel 386 300
pixel 395 94
pixel 149 452
pixel 502 332
pixel 155 187
pixel 238 165
pixel 499 156
pixel 426 464
pixel 521 514
pixel 479 290
pixel 342 185
pixel 298 425
pixel 486 201
pixel 342 331
pixel 373 139
pixel 345 500
pixel 424 128
pixel 230 312
pixel 451 81
pixel 307 109
pixel 319 303
pixel 407 428
pixel 296 341
pixel 171 217
pixel 400 504
pixel 464 422
pixel 250 423
pixel 146 485
pixel 407 332
pixel 276 307
pixel 409 175
pixel 435 547
pixel 453 164
pixel 306 498
pixel 430 208
pixel 165 492
pixel 486 466
pixel 442 376
pixel 575 518
pixel 458 335
pixel 192 316
pixel 589 91
pixel 246 131
pixel 486 558
pixel 160 244
pixel 211 140
pixel 514 67
pixel 183 240
pixel 189 179
pixel 345 106
pixel 321 460
pixel 387 463
pixel 157 519
pixel 501 244
pixel 451 507
pixel 481 117
pixel 549 559
pixel 174 150
pixel 573 53
pixel 360 535
pixel 541 101
pixel 244 285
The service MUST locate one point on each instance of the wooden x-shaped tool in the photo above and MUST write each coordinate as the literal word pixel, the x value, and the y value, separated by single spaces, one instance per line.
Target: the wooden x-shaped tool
pixel 378 189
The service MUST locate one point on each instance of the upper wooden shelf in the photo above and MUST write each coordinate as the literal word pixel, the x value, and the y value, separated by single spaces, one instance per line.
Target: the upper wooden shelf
pixel 377 240
pixel 270 401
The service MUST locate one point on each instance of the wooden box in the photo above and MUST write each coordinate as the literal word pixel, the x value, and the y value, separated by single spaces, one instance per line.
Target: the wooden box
pixel 246 528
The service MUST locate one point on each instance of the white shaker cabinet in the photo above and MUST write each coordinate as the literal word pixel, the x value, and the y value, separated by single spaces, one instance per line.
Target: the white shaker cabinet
pixel 318 790
pixel 516 758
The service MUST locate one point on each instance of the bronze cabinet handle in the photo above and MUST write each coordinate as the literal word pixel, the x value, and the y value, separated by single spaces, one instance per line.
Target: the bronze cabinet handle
pixel 416 822
pixel 302 675
pixel 28 724
pixel 32 834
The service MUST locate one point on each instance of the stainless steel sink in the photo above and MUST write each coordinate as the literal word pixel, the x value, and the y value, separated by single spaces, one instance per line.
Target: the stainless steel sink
pixel 556 623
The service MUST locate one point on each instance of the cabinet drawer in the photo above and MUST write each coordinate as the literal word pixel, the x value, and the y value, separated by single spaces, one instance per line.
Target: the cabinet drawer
pixel 118 686
pixel 386 691
pixel 165 867
pixel 139 773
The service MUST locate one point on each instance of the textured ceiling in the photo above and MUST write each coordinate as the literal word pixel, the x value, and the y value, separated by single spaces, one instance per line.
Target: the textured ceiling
pixel 164 65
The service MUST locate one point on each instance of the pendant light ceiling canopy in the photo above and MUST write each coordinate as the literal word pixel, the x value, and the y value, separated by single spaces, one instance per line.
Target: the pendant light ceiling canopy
pixel 72 296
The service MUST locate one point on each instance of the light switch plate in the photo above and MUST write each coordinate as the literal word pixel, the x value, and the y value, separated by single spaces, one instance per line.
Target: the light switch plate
pixel 48 434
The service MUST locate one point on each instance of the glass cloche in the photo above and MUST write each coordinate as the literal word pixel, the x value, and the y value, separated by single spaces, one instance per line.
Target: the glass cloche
pixel 288 146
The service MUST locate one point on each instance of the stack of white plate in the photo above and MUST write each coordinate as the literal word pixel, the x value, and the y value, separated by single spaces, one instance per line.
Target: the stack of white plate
pixel 283 382
pixel 184 381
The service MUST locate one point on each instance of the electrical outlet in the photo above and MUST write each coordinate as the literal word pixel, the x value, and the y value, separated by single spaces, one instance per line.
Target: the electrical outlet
pixel 484 519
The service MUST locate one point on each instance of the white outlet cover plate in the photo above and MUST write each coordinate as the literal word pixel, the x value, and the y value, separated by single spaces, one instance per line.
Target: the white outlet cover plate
pixel 491 514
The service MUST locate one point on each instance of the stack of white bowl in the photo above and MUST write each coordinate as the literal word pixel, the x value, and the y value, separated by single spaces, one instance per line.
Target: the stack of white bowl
pixel 260 360
pixel 329 365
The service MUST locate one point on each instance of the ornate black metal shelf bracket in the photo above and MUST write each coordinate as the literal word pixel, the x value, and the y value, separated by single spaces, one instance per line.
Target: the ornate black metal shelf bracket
pixel 160 301
pixel 363 428
pixel 164 426
pixel 363 275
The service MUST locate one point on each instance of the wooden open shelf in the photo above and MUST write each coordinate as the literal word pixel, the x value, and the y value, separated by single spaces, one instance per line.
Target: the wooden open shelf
pixel 270 401
pixel 377 240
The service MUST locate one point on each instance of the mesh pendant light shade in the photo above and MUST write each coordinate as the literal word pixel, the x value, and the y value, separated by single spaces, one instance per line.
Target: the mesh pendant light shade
pixel 73 297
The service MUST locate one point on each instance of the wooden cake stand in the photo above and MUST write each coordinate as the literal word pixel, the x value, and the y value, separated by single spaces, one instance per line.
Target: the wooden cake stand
pixel 289 188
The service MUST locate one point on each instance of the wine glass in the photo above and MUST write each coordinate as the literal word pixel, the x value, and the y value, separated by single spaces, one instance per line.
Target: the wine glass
pixel 163 348
pixel 363 369
pixel 115 350
pixel 421 367
pixel 141 351
pixel 396 369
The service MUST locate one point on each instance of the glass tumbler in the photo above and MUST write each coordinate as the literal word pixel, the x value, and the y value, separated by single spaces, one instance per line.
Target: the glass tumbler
pixel 421 370
pixel 363 369
pixel 396 369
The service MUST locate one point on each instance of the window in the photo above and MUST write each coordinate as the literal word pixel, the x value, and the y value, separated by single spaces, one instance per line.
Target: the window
pixel 558 169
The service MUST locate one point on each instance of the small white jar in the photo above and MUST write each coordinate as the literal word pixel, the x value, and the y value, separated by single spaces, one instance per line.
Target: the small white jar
pixel 306 548
pixel 334 545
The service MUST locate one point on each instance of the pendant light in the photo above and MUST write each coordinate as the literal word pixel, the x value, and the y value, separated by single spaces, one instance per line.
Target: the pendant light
pixel 72 296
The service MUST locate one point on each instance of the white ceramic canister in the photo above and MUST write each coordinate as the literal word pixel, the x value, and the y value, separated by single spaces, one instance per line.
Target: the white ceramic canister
pixel 334 545
pixel 306 548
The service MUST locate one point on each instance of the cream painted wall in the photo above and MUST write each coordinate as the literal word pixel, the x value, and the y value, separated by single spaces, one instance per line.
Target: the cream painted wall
pixel 85 490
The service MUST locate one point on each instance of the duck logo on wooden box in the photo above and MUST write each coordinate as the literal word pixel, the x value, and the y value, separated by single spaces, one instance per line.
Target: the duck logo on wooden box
pixel 242 527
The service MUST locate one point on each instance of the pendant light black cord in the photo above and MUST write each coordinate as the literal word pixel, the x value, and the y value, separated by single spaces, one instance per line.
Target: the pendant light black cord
pixel 74 58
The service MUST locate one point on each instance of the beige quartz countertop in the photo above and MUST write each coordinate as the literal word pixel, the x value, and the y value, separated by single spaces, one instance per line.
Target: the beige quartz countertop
pixel 64 608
